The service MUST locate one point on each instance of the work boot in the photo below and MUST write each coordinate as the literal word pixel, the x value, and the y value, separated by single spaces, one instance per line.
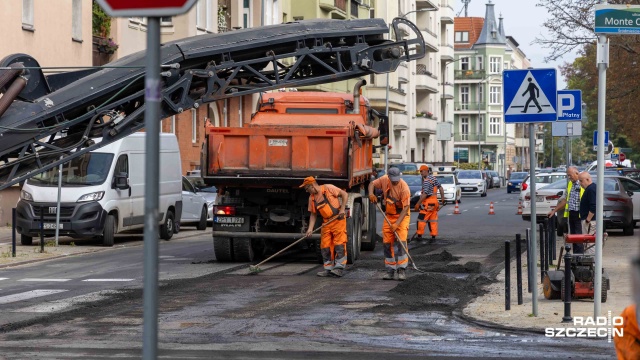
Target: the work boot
pixel 391 274
pixel 402 274
pixel 414 237
pixel 336 272
pixel 324 273
pixel 433 239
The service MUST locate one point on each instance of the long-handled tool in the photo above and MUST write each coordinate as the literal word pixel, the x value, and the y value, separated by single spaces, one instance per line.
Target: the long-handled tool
pixel 416 233
pixel 413 263
pixel 254 269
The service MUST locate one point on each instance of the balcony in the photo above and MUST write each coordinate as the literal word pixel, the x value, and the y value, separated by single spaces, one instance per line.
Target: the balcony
pixel 399 121
pixel 470 106
pixel 425 125
pixel 425 4
pixel 447 14
pixel 377 96
pixel 425 79
pixel 336 8
pixel 459 137
pixel 446 52
pixel 430 40
pixel 448 91
pixel 470 74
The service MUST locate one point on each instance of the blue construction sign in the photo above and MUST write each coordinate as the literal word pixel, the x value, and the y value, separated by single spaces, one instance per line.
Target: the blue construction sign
pixel 529 95
pixel 569 105
pixel 595 138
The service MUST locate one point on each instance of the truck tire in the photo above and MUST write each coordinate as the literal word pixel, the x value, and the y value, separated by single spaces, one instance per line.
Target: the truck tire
pixel 354 233
pixel 166 229
pixel 202 225
pixel 109 231
pixel 242 250
pixel 26 240
pixel 370 244
pixel 223 249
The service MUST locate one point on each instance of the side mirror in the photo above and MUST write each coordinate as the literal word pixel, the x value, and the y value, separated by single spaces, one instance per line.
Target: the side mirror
pixel 121 181
pixel 630 193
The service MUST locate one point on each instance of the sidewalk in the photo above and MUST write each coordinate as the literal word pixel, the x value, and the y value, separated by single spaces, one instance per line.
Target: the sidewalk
pixel 616 259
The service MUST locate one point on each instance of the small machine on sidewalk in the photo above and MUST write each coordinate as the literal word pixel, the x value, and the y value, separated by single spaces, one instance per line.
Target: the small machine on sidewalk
pixel 582 273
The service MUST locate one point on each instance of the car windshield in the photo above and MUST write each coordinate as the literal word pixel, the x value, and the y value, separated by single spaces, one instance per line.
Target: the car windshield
pixel 518 176
pixel 406 167
pixel 210 189
pixel 445 179
pixel 469 175
pixel 413 180
pixel 88 169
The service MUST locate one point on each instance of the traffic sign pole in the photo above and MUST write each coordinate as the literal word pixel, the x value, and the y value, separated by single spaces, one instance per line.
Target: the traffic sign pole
pixel 532 186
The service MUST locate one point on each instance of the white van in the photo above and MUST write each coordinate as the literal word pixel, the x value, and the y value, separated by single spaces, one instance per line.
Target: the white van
pixel 102 193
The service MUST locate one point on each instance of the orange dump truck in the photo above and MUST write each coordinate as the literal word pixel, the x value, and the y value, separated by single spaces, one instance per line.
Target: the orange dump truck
pixel 258 169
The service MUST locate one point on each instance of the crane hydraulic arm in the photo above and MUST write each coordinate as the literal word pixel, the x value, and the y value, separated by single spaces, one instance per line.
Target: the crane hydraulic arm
pixel 48 120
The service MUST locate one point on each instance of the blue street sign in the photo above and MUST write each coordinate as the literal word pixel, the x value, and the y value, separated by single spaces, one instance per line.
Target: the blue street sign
pixel 569 105
pixel 595 137
pixel 529 95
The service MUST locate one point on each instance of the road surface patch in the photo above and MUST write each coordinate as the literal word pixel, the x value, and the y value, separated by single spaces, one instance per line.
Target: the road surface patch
pixel 27 295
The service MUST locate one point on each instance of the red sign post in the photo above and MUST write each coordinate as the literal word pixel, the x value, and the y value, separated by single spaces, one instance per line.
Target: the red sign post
pixel 148 8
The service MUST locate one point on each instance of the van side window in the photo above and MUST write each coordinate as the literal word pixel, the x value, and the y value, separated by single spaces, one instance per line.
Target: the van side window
pixel 122 166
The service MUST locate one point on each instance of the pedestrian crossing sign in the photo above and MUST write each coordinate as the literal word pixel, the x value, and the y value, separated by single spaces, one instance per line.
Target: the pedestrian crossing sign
pixel 529 95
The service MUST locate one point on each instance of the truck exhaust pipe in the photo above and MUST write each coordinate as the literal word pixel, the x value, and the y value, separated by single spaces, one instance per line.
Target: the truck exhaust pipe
pixel 12 92
pixel 7 76
pixel 356 95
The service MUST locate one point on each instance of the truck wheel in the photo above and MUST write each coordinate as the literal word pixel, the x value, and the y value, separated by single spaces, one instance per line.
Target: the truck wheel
pixel 242 250
pixel 354 233
pixel 166 229
pixel 26 240
pixel 202 225
pixel 109 231
pixel 370 244
pixel 223 249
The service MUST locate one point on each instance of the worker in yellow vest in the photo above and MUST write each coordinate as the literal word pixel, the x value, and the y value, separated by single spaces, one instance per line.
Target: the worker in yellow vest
pixel 571 204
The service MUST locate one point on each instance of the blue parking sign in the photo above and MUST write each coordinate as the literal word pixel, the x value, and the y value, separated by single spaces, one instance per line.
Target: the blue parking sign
pixel 569 105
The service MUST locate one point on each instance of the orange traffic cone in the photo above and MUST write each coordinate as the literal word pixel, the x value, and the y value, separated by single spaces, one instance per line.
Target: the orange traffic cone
pixel 456 210
pixel 519 208
pixel 491 209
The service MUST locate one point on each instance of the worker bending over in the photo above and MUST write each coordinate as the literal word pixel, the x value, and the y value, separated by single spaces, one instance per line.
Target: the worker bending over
pixel 428 204
pixel 396 197
pixel 333 236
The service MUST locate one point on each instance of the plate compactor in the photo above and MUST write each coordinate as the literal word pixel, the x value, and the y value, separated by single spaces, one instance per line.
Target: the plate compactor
pixel 582 273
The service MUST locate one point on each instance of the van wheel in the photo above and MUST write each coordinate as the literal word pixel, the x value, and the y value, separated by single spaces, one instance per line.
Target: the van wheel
pixel 26 240
pixel 242 250
pixel 166 229
pixel 223 249
pixel 109 231
pixel 370 244
pixel 354 233
pixel 202 225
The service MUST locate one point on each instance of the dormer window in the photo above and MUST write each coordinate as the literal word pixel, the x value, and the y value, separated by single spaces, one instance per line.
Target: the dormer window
pixel 462 36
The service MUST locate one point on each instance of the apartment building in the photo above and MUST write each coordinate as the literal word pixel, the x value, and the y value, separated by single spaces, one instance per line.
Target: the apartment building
pixel 482 52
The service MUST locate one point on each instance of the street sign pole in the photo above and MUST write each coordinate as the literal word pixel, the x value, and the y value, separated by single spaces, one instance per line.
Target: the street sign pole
pixel 532 186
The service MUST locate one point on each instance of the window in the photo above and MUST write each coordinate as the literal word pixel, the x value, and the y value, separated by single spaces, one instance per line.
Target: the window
pixel 506 65
pixel 480 95
pixel 203 16
pixel 464 128
pixel 76 20
pixel 246 14
pixel 271 14
pixel 462 36
pixel 479 63
pixel 166 21
pixel 464 97
pixel 27 15
pixel 494 64
pixel 494 95
pixel 122 166
pixel 194 125
pixel 494 126
pixel 480 124
pixel 464 63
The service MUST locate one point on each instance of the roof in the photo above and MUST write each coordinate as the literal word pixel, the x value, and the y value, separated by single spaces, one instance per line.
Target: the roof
pixel 492 33
pixel 473 25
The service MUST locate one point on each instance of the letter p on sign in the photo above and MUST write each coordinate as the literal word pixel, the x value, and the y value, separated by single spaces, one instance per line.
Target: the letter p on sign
pixel 569 105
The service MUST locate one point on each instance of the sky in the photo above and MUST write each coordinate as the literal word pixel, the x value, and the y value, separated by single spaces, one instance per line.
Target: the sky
pixel 523 21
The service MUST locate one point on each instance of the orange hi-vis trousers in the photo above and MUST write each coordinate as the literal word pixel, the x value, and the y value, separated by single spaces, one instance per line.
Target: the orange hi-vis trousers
pixel 333 245
pixel 428 214
pixel 393 261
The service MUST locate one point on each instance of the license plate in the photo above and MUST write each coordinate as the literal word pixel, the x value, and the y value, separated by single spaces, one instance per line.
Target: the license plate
pixel 539 198
pixel 517 186
pixel 467 189
pixel 229 220
pixel 52 226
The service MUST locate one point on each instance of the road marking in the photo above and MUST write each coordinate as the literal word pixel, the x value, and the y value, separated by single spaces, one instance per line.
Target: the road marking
pixel 465 210
pixel 97 280
pixel 165 256
pixel 27 295
pixel 177 259
pixel 68 303
pixel 51 280
pixel 4 278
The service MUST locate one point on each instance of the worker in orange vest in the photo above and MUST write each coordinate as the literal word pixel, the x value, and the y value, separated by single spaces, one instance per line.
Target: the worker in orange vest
pixel 333 236
pixel 428 204
pixel 628 345
pixel 396 198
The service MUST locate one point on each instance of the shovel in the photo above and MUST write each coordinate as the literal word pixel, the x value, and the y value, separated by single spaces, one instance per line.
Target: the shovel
pixel 413 263
pixel 254 269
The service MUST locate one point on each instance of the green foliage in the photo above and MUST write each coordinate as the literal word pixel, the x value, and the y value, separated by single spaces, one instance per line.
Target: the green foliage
pixel 467 166
pixel 101 21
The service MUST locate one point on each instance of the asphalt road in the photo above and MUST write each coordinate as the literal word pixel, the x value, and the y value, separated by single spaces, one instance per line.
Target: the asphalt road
pixel 91 306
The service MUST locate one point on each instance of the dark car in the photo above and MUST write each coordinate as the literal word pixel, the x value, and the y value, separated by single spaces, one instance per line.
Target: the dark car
pixel 415 186
pixel 515 181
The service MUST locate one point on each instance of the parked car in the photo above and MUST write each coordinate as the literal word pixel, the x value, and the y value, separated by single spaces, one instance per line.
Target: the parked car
pixel 495 178
pixel 415 186
pixel 630 173
pixel 451 187
pixel 472 182
pixel 194 206
pixel 210 193
pixel 515 181
pixel 541 178
pixel 546 199
pixel 406 167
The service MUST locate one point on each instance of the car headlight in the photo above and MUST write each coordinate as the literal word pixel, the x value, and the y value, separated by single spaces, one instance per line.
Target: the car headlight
pixel 481 183
pixel 94 196
pixel 26 196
